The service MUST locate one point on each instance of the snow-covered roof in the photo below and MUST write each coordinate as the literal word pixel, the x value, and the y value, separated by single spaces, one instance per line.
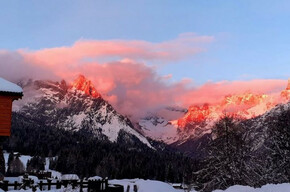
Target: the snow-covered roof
pixel 7 86
pixel 95 178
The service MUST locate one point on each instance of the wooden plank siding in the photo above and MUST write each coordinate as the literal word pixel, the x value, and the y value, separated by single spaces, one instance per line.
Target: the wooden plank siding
pixel 5 114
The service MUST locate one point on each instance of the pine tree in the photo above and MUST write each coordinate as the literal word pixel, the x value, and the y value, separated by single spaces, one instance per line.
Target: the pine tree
pixel 225 164
pixel 10 159
pixel 278 147
pixel 36 163
pixel 17 167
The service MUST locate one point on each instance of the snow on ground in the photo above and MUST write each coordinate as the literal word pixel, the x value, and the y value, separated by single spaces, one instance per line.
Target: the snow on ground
pixel 24 159
pixel 68 189
pixel 285 187
pixel 153 186
pixel 158 186
pixel 54 174
pixel 95 178
pixel 70 177
pixel 144 185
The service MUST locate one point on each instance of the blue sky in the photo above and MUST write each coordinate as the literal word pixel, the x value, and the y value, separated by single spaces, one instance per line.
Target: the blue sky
pixel 252 38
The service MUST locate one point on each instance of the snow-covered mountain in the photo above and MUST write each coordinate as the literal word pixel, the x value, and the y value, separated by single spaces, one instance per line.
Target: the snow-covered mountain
pixel 256 131
pixel 79 106
pixel 197 121
pixel 160 126
pixel 257 128
pixel 76 106
pixel 159 129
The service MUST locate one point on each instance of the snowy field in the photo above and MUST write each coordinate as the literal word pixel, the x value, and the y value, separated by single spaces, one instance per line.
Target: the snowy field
pixel 285 187
pixel 157 186
pixel 147 185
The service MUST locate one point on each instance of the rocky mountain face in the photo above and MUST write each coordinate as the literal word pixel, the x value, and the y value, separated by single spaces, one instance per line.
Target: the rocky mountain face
pixel 197 121
pixel 76 106
pixel 255 130
pixel 79 106
pixel 286 93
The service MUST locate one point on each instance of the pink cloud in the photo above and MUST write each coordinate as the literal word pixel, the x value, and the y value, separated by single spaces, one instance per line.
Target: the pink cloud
pixel 119 71
pixel 184 45
pixel 214 92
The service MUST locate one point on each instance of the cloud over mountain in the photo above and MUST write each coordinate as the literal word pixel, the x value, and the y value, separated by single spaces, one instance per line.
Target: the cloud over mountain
pixel 122 71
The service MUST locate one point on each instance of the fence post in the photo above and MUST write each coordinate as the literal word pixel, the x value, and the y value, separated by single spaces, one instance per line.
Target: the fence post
pixel 106 183
pixel 34 188
pixel 5 188
pixel 58 185
pixel 135 188
pixel 74 184
pixel 65 183
pixel 81 185
pixel 102 185
pixel 40 185
pixel 89 185
pixel 49 184
pixel 15 185
pixel 128 188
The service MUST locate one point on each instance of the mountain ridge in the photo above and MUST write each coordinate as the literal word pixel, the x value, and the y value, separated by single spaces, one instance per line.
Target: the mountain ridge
pixel 73 108
pixel 55 99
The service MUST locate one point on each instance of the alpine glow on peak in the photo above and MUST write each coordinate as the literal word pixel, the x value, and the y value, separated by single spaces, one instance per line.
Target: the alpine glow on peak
pixel 286 93
pixel 85 85
pixel 242 106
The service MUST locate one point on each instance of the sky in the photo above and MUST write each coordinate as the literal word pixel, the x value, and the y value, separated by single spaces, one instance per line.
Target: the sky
pixel 163 45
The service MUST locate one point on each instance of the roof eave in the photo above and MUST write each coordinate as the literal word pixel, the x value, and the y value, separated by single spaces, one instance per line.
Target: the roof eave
pixel 15 95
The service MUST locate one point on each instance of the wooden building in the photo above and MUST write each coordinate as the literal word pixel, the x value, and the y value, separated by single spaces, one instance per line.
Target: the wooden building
pixel 8 93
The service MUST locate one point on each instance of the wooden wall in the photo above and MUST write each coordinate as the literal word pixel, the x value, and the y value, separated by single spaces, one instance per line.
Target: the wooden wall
pixel 5 115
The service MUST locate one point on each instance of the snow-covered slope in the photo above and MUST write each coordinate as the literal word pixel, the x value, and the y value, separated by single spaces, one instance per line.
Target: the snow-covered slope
pixel 159 129
pixel 144 185
pixel 74 107
pixel 161 125
pixel 257 128
pixel 198 120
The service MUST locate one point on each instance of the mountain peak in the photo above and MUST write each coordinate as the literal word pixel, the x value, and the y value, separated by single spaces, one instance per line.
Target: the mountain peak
pixel 286 93
pixel 85 85
pixel 248 99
